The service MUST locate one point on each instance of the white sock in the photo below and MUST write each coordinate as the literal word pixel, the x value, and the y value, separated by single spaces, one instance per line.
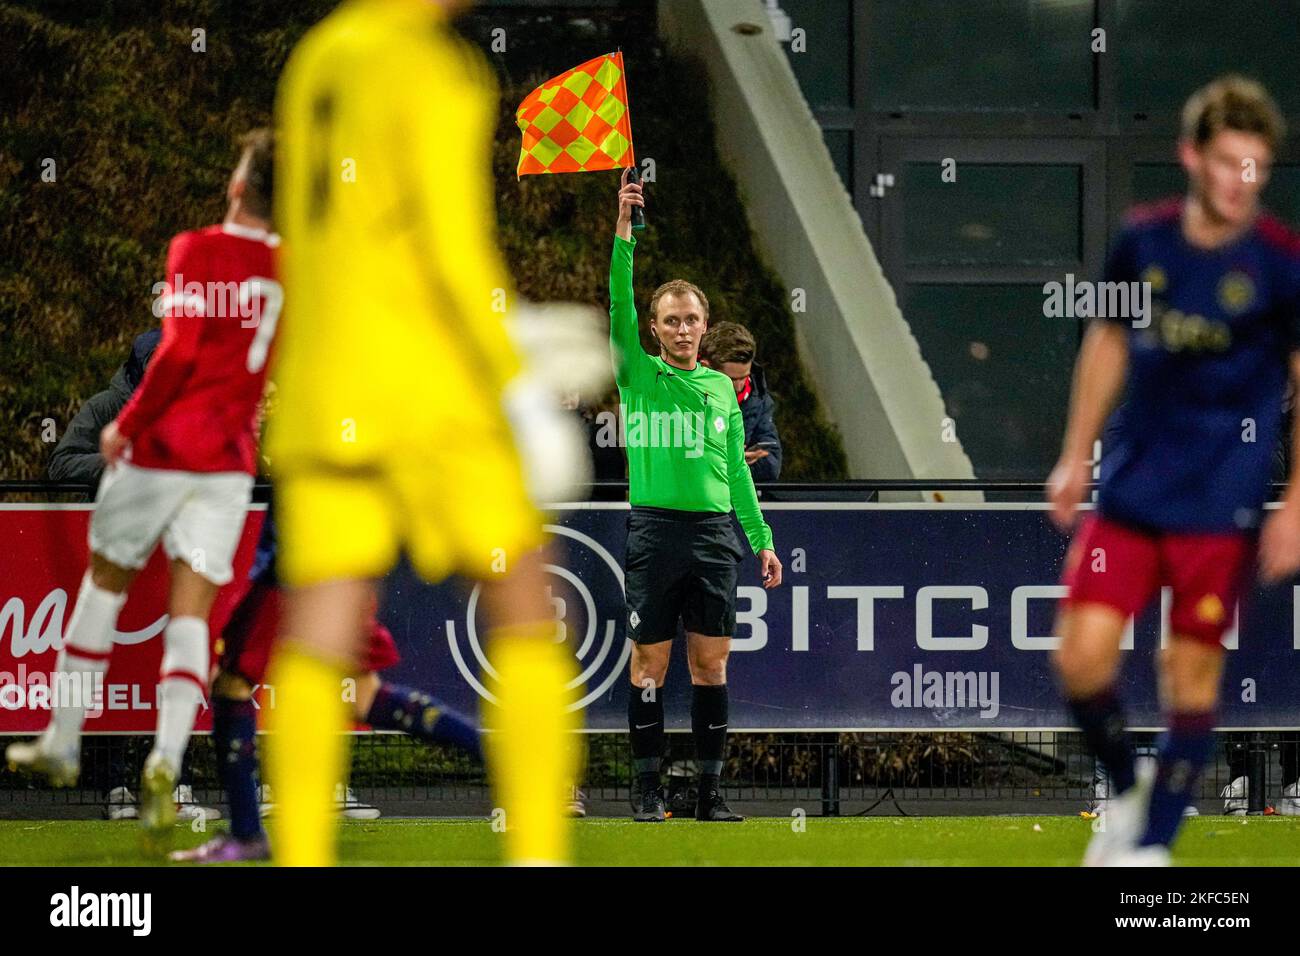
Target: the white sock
pixel 79 670
pixel 182 685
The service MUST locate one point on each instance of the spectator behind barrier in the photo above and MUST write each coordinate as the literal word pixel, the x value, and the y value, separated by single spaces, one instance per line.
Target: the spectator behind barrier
pixel 729 348
pixel 77 457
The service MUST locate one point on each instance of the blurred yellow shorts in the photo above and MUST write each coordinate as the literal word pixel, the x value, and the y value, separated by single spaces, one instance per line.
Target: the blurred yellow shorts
pixel 464 512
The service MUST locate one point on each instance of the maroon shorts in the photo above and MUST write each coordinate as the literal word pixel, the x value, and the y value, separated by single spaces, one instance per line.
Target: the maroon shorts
pixel 1124 567
pixel 249 635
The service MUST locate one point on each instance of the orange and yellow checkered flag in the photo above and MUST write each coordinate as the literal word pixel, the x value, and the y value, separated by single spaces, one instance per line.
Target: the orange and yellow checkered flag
pixel 578 122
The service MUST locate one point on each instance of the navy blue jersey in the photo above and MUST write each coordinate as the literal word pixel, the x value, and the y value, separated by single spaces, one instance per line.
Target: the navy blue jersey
pixel 263 568
pixel 1191 446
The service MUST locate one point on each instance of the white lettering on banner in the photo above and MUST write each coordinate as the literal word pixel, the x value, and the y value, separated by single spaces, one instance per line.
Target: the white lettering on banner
pixel 799 617
pixel 38 696
pixel 44 630
pixel 38 690
pixel 33 690
pixel 865 624
pixel 1020 599
pixel 43 633
pixel 978 638
pixel 866 597
pixel 757 639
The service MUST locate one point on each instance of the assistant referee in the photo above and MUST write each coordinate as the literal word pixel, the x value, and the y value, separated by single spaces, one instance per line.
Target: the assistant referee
pixel 687 471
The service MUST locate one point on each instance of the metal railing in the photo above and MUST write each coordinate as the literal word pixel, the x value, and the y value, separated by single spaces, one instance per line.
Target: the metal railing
pixel 826 774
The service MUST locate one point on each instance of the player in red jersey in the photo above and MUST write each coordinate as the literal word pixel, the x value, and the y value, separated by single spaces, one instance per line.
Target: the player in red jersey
pixel 181 458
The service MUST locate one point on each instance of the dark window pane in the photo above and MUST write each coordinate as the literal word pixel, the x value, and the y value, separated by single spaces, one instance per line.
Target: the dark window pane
pixel 840 144
pixel 1004 370
pixel 825 67
pixel 1153 181
pixel 986 55
pixel 1282 194
pixel 1165 54
pixel 993 214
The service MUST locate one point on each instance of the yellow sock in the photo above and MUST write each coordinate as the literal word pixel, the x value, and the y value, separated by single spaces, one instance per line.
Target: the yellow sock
pixel 532 751
pixel 306 754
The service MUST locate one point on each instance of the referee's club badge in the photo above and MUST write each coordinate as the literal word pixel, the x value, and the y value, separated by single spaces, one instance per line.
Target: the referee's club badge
pixel 589 629
pixel 719 424
pixel 634 619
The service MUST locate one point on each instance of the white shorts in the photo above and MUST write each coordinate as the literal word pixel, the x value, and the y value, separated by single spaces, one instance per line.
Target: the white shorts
pixel 198 515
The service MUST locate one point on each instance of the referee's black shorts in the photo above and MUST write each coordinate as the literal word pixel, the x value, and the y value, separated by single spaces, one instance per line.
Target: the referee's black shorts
pixel 680 565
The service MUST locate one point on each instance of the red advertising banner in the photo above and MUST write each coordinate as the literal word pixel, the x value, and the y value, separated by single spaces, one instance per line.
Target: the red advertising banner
pixel 43 555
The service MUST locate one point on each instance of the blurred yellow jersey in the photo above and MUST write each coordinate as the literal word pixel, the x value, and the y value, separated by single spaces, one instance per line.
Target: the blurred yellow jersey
pixel 395 336
pixel 393 352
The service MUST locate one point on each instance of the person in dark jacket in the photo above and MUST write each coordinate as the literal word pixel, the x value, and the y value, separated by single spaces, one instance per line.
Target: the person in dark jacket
pixel 76 457
pixel 113 761
pixel 729 348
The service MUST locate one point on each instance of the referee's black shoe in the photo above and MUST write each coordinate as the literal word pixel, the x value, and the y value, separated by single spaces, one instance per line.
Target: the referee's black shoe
pixel 651 808
pixel 711 808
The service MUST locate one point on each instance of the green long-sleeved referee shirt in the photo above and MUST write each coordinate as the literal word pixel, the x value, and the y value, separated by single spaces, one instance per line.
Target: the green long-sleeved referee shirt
pixel 685 432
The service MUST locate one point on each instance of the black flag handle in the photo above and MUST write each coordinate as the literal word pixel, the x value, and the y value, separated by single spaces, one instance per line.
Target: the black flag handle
pixel 638 214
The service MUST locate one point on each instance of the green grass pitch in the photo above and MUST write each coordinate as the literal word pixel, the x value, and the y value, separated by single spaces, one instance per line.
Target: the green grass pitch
pixel 878 841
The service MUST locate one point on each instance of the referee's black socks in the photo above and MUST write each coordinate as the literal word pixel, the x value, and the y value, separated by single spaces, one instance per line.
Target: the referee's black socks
pixel 709 725
pixel 645 723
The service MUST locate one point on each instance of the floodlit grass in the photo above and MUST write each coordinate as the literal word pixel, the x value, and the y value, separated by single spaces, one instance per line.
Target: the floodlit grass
pixel 872 841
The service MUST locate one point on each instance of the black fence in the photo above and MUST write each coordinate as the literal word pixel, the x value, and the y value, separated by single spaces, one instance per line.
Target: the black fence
pixel 829 774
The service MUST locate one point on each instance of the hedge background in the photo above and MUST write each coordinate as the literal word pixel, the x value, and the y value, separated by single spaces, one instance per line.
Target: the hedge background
pixel 142 130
